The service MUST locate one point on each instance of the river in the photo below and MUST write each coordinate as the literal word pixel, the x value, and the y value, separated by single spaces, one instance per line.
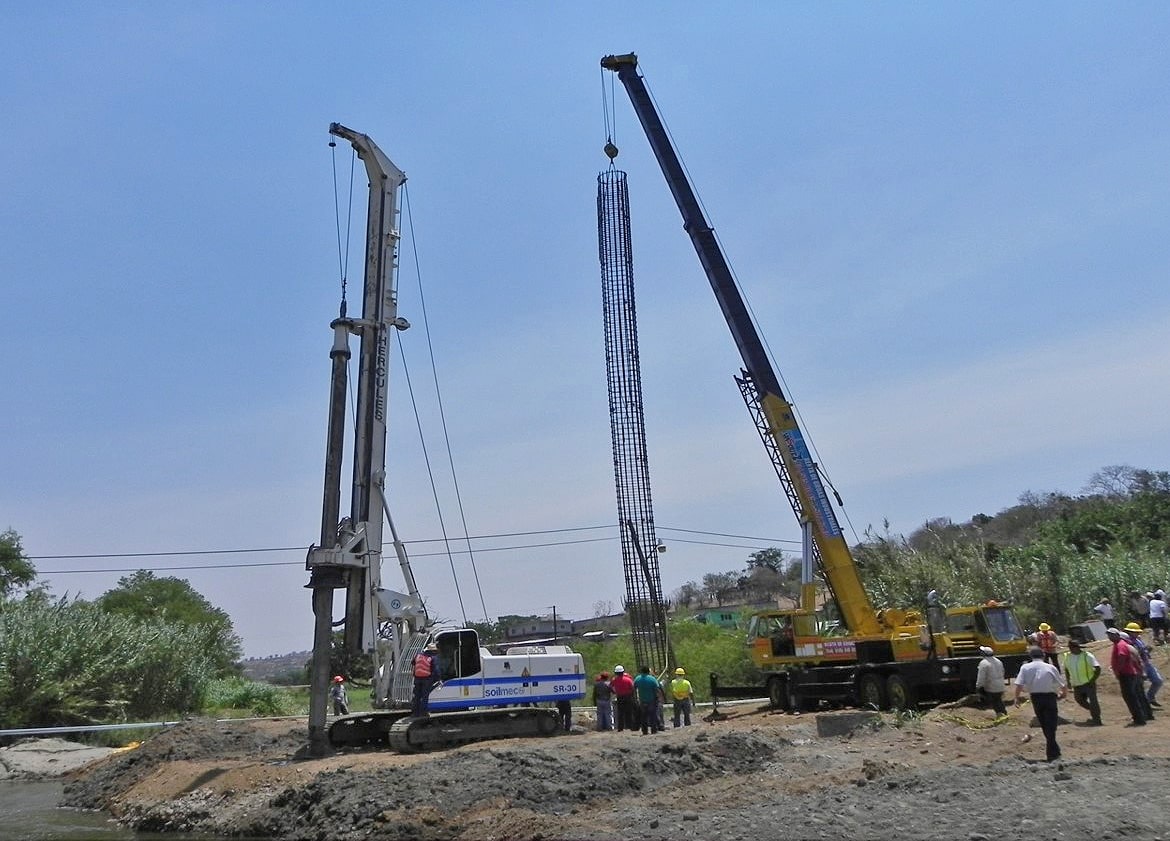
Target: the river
pixel 29 812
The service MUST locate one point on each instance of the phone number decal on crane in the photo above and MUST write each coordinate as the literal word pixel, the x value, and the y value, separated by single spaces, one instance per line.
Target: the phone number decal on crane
pixel 812 482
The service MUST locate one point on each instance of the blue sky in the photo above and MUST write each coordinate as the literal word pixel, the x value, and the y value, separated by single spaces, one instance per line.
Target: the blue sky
pixel 949 219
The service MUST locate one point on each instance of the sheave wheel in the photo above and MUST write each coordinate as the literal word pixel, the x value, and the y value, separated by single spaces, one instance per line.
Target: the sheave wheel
pixel 872 691
pixel 900 694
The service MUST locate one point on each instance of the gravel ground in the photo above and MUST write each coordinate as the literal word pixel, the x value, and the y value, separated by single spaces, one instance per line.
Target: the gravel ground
pixel 759 775
pixel 943 774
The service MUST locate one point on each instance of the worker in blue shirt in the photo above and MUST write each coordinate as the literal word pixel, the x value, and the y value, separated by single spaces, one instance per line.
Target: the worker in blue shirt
pixel 649 692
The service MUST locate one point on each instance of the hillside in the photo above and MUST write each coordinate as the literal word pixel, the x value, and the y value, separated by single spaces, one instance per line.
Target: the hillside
pixel 275 665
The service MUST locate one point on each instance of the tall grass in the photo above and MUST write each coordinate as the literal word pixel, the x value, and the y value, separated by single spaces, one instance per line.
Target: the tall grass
pixel 699 648
pixel 1046 581
pixel 69 663
pixel 237 696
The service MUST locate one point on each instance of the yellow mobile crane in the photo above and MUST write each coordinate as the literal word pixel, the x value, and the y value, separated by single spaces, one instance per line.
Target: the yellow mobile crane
pixel 891 657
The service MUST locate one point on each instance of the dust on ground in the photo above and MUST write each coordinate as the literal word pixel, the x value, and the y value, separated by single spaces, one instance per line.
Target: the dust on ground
pixel 948 773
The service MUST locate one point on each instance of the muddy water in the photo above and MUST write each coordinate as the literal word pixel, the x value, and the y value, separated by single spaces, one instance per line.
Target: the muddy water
pixel 29 812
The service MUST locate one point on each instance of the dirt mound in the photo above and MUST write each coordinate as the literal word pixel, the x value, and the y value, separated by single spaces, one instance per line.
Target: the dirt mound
pixel 196 739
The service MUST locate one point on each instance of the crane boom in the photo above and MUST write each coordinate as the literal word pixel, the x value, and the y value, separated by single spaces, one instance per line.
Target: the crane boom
pixel 807 493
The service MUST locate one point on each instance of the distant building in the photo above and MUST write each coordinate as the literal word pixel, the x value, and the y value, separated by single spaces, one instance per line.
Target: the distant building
pixel 612 624
pixel 730 615
pixel 723 617
pixel 521 628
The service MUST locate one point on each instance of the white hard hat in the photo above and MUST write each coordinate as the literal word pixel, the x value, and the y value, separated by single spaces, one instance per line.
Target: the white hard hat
pixel 617 670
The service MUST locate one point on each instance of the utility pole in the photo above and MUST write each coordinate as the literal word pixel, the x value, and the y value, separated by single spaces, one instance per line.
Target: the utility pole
pixel 554 610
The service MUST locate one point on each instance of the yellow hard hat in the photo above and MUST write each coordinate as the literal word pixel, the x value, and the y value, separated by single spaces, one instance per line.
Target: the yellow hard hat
pixel 1044 626
pixel 680 671
pixel 1134 626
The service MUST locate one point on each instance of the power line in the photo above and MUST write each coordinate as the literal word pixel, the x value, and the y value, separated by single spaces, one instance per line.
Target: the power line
pixel 418 555
pixel 736 536
pixel 301 548
pixel 299 563
pixel 96 556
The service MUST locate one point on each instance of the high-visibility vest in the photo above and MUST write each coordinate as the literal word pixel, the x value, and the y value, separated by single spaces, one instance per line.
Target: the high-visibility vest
pixel 1047 641
pixel 680 688
pixel 423 665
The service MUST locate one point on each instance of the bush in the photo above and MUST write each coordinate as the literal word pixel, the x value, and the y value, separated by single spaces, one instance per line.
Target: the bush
pixel 70 663
pixel 699 648
pixel 249 697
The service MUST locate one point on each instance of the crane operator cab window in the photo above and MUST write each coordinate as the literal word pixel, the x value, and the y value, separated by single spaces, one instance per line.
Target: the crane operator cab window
pixel 458 654
pixel 1001 623
pixel 780 632
pixel 966 623
pixel 777 630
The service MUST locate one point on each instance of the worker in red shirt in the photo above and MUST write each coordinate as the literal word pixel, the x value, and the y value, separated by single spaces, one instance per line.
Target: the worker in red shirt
pixel 623 698
pixel 1127 665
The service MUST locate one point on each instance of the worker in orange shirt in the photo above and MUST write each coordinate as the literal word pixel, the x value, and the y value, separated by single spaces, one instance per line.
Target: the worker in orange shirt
pixel 1046 639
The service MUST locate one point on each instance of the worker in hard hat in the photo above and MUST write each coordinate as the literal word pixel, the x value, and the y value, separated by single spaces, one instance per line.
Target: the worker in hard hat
pixel 338 696
pixel 1046 639
pixel 425 667
pixel 683 696
pixel 625 709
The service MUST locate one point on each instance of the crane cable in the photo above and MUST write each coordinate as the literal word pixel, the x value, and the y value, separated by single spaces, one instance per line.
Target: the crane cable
pixel 343 251
pixel 443 424
pixel 752 313
pixel 609 114
pixel 343 258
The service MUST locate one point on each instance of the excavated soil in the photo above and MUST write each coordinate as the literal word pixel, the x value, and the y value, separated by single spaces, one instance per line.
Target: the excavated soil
pixel 948 773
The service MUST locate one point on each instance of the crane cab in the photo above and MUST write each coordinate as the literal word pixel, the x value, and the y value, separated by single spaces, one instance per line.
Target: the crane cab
pixel 471 676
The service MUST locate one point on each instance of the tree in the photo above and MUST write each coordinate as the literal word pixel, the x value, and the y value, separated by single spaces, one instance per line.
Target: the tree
pixel 70 662
pixel 489 632
pixel 688 594
pixel 16 570
pixel 765 583
pixel 1120 481
pixel 174 600
pixel 603 608
pixel 771 558
pixel 720 586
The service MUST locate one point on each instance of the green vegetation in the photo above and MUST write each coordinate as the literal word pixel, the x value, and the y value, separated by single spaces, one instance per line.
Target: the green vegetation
pixel 70 662
pixel 154 648
pixel 1053 556
pixel 172 600
pixel 149 649
pixel 237 697
pixel 700 649
pixel 16 570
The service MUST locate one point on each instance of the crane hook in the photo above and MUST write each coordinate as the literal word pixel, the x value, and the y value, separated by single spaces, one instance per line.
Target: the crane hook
pixel 610 149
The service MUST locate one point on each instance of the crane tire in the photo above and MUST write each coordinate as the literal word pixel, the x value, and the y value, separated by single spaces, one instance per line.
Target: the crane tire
pixel 778 696
pixel 900 693
pixel 871 691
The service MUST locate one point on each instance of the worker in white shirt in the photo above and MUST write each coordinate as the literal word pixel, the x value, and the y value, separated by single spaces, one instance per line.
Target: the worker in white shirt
pixel 1045 686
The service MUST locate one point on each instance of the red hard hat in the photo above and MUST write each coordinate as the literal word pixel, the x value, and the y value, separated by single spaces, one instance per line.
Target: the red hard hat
pixel 338 679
